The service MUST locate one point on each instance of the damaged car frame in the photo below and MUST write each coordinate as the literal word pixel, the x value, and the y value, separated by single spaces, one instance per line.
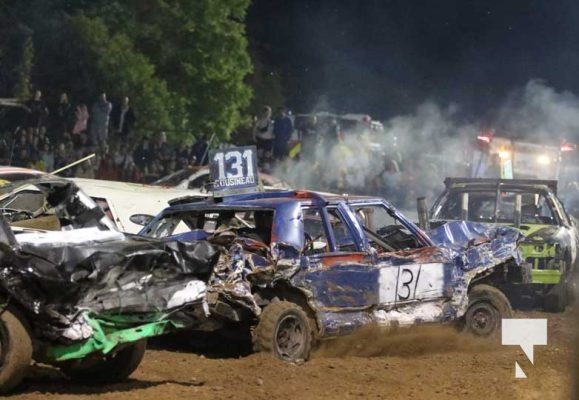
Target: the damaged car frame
pixel 299 266
pixel 86 298
pixel 532 206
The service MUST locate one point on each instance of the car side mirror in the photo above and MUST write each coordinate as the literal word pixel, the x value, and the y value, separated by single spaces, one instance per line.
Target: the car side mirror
pixel 140 219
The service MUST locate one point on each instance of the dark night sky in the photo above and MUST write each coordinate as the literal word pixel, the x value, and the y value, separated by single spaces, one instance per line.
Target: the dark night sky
pixel 385 57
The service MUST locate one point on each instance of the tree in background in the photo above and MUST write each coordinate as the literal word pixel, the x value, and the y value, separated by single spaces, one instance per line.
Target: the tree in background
pixel 183 63
pixel 16 61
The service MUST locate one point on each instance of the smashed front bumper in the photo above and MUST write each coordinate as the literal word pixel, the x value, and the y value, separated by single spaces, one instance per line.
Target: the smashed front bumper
pixel 545 261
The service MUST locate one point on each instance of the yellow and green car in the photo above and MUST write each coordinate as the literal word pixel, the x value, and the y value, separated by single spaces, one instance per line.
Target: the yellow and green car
pixel 551 237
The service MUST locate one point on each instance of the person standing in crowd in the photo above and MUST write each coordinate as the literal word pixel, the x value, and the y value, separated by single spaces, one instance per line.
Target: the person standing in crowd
pixel 99 121
pixel 122 155
pixel 263 134
pixel 80 124
pixel 63 157
pixel 85 170
pixel 131 173
pixel 307 128
pixel 106 169
pixel 61 119
pixel 47 157
pixel 200 150
pixel 184 155
pixel 123 119
pixel 282 131
pixel 37 111
pixel 143 153
pixel 22 149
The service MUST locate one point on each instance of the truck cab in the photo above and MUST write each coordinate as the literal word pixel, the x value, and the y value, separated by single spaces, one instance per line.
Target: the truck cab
pixel 530 205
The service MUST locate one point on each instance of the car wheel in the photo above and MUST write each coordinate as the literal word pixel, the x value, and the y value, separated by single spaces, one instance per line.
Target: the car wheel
pixel 112 368
pixel 556 299
pixel 572 289
pixel 487 306
pixel 284 330
pixel 15 350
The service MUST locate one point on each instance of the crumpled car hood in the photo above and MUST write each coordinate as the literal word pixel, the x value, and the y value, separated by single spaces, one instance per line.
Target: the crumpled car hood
pixel 56 276
pixel 466 237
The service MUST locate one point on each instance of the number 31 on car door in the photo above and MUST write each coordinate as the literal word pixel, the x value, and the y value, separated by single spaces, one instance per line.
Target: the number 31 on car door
pixel 411 282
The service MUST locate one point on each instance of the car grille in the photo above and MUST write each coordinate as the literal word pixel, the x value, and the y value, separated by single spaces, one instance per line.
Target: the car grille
pixel 542 262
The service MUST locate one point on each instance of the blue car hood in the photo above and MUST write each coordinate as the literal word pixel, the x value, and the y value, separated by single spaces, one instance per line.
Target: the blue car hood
pixel 480 245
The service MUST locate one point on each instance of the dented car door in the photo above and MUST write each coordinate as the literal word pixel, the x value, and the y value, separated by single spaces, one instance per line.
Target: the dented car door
pixel 410 269
pixel 340 271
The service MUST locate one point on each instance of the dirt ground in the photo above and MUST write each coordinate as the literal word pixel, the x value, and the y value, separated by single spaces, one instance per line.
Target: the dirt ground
pixel 424 363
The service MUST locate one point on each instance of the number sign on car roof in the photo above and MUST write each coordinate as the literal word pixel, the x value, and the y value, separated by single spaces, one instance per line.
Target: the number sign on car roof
pixel 233 170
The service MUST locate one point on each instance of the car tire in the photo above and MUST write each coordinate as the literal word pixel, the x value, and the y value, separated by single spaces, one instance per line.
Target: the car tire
pixel 557 298
pixel 487 306
pixel 115 367
pixel 572 288
pixel 284 329
pixel 15 350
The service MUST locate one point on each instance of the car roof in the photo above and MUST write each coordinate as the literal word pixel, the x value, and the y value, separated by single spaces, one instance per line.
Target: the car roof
pixel 180 174
pixel 490 183
pixel 123 198
pixel 9 170
pixel 131 188
pixel 271 199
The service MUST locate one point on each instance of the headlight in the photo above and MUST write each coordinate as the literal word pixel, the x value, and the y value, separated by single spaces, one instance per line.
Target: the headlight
pixel 544 159
pixel 504 155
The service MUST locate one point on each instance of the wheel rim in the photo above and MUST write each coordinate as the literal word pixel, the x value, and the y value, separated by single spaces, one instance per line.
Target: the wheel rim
pixel 290 337
pixel 483 319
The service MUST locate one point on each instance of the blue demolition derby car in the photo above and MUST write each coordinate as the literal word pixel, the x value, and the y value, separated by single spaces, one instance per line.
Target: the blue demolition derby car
pixel 298 266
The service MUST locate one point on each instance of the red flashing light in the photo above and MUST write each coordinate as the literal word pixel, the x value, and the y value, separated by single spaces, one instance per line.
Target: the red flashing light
pixel 485 137
pixel 302 194
pixel 566 147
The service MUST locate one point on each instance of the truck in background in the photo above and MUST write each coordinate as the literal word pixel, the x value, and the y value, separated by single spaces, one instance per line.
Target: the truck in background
pixel 521 158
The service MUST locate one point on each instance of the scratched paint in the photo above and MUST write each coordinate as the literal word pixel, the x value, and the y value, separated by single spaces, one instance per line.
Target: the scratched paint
pixel 426 281
pixel 411 286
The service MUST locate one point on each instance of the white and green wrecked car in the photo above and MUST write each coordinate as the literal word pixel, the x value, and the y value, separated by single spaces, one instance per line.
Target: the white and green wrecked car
pixel 85 298
pixel 551 238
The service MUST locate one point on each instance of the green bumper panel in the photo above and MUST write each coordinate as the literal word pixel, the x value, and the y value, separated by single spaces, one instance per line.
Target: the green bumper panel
pixel 546 276
pixel 106 337
pixel 544 267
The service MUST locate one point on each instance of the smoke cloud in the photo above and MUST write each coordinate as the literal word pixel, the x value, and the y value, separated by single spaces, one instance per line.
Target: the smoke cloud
pixel 540 111
pixel 413 153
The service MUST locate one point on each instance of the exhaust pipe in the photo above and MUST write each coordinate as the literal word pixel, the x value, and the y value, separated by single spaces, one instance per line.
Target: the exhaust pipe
pixel 423 221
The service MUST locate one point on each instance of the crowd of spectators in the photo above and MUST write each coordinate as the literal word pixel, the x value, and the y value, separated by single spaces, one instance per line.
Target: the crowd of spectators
pixel 308 152
pixel 351 154
pixel 51 137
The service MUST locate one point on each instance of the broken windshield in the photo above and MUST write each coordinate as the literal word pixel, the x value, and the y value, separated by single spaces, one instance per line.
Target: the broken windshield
pixel 493 206
pixel 199 224
pixel 386 231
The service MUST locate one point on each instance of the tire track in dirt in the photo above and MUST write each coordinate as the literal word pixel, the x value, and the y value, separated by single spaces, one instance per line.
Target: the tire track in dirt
pixel 376 341
pixel 429 362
